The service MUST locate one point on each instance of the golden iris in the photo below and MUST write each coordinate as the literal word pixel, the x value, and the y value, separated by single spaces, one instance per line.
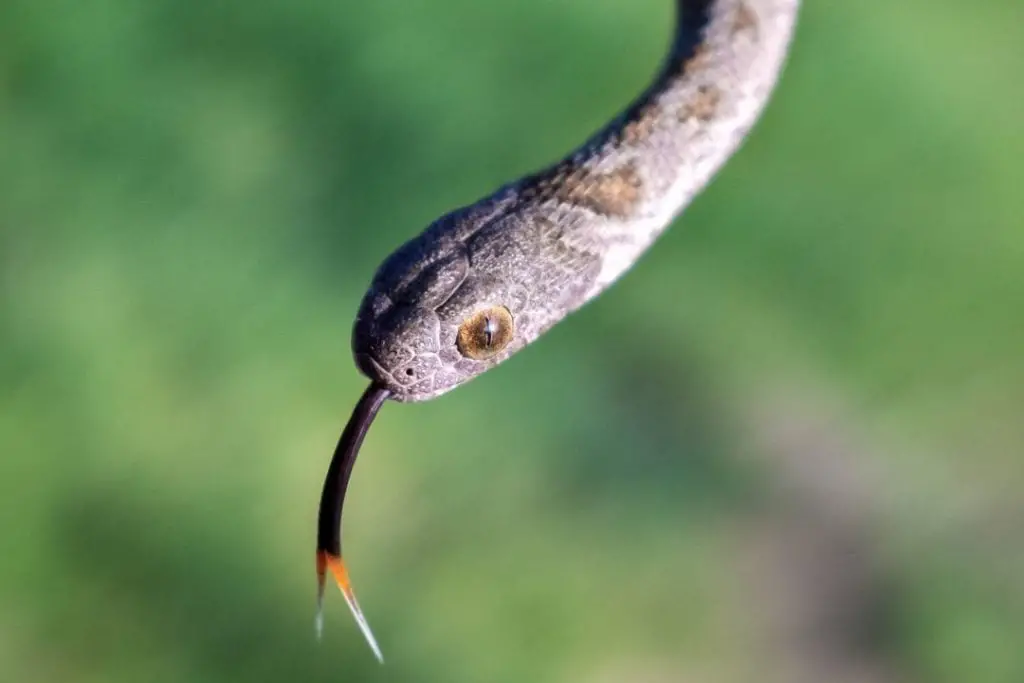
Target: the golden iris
pixel 485 333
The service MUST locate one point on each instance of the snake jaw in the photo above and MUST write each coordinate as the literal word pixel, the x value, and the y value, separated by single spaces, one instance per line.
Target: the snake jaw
pixel 325 562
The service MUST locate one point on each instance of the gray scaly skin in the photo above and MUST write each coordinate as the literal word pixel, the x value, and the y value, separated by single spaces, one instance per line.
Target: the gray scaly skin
pixel 546 244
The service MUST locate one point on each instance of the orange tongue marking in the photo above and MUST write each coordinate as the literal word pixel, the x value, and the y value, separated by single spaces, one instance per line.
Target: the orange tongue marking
pixel 326 561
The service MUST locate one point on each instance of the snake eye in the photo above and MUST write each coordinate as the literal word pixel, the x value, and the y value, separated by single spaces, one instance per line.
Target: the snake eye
pixel 485 333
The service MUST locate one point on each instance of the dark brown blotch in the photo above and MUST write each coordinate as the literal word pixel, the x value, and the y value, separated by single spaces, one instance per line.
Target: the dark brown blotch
pixel 609 194
pixel 700 59
pixel 642 124
pixel 703 106
pixel 745 21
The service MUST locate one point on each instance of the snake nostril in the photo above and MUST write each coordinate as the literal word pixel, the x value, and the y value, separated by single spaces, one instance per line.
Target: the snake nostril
pixel 410 372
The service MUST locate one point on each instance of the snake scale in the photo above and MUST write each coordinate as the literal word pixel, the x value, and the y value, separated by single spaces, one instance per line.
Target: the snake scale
pixel 485 280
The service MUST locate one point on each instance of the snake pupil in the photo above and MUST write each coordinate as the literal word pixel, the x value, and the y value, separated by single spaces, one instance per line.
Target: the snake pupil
pixel 488 332
pixel 485 333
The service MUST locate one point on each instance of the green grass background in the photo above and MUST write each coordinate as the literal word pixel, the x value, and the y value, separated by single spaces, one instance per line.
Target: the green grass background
pixel 194 196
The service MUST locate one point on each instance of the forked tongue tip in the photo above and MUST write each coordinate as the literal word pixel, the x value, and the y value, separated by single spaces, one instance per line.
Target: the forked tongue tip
pixel 336 565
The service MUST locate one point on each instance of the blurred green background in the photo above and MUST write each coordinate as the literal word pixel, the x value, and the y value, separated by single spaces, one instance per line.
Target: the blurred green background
pixel 786 447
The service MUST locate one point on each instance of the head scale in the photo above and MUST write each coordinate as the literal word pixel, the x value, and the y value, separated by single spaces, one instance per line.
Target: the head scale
pixel 445 307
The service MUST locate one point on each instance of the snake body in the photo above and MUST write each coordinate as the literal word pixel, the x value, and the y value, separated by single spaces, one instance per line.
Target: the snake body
pixel 487 279
pixel 544 245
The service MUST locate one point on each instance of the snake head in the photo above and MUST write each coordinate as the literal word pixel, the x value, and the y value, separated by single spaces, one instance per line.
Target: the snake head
pixel 443 308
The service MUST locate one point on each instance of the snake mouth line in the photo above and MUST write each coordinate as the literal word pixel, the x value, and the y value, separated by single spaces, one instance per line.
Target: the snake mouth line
pixel 369 366
pixel 332 500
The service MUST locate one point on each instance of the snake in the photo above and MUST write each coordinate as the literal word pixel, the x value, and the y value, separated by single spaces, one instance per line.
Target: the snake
pixel 487 279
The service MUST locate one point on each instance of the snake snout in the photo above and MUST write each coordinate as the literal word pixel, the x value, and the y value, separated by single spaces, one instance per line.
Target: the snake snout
pixel 420 379
pixel 399 350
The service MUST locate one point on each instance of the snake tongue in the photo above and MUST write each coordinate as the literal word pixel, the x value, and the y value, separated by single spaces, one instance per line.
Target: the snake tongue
pixel 324 562
pixel 328 542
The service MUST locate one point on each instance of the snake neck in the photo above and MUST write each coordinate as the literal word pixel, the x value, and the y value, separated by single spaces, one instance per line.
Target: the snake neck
pixel 628 182
pixel 541 247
